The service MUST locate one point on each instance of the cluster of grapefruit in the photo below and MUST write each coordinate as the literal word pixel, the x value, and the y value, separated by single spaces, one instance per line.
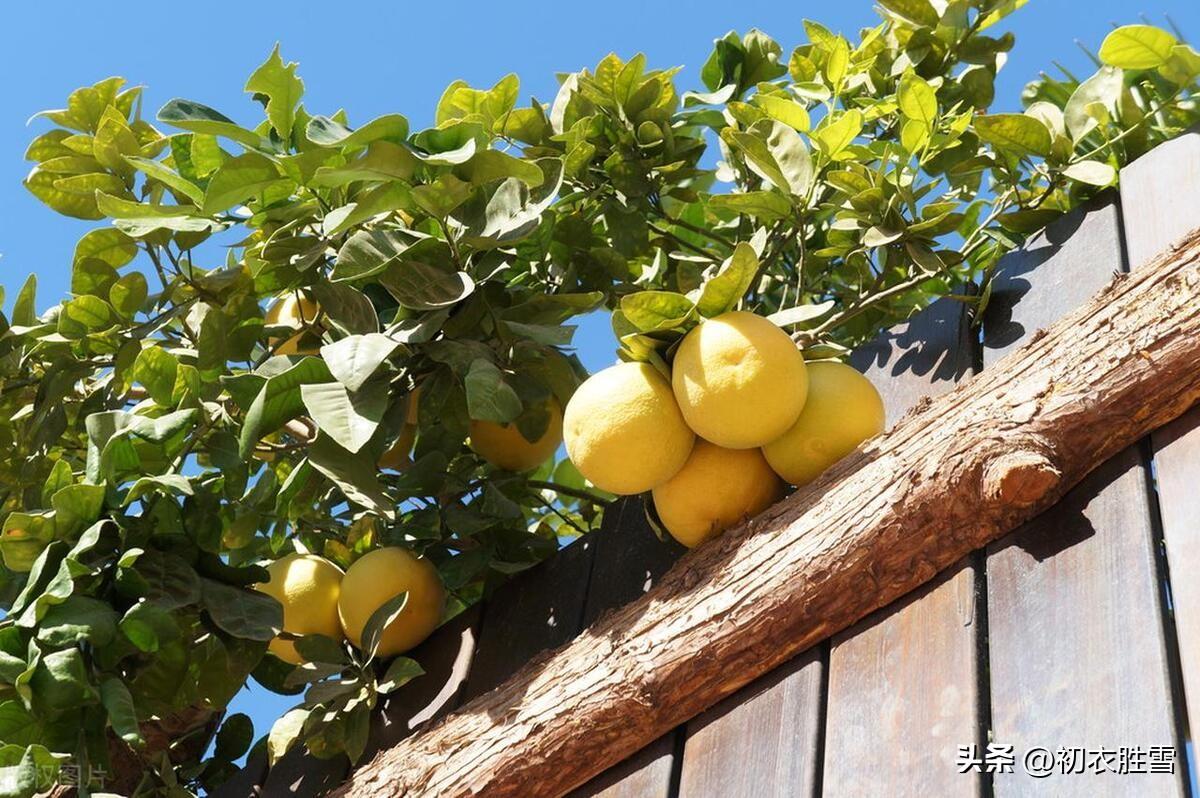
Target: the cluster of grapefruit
pixel 318 598
pixel 740 416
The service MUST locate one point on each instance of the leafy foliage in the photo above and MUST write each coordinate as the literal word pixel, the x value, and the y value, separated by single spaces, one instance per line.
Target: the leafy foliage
pixel 161 436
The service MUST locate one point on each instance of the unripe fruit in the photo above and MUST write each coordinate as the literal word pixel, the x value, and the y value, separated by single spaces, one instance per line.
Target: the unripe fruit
pixel 714 490
pixel 624 431
pixel 378 576
pixel 307 586
pixel 505 447
pixel 739 380
pixel 842 411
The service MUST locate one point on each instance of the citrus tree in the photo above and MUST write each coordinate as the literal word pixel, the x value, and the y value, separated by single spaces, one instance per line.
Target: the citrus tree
pixel 287 336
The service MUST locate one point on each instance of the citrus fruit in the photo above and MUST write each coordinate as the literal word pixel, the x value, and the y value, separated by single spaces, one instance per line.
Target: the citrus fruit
pixel 739 380
pixel 714 490
pixel 842 411
pixel 307 586
pixel 397 456
pixel 624 431
pixel 377 577
pixel 296 311
pixel 505 447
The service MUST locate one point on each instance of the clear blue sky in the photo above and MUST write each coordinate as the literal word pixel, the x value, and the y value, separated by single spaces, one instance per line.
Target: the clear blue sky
pixel 379 57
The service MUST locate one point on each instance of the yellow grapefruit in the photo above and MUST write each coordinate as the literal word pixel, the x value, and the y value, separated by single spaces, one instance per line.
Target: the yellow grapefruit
pixel 714 490
pixel 505 447
pixel 842 411
pixel 297 311
pixel 307 586
pixel 377 577
pixel 739 380
pixel 624 431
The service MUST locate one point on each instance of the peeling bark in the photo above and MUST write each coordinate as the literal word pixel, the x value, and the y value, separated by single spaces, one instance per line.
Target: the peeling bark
pixel 958 472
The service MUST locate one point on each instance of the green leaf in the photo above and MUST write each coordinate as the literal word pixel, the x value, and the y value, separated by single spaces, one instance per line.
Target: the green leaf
pixel 284 733
pixel 234 737
pixel 402 671
pixel 106 244
pixel 45 186
pixel 239 179
pixel 367 253
pixel 917 99
pixel 61 680
pixel 1015 133
pixel 424 286
pixel 277 82
pixel 725 289
pixel 149 626
pixel 156 368
pixel 128 295
pixel 92 276
pixel 279 400
pixel 139 219
pixel 350 419
pixel 84 315
pixel 87 105
pixel 766 205
pixel 24 311
pixel 356 476
pixel 78 619
pixel 650 311
pixel 168 177
pixel 838 131
pixel 789 112
pixel 801 314
pixel 165 484
pixel 1093 173
pixel 489 397
pixel 355 359
pixel 243 613
pixel 122 715
pixel 1137 47
pixel 1094 99
pixel 76 507
pixel 170 582
pixel 776 153
pixel 331 133
pixel 381 619
pixel 491 165
pixel 188 115
pixel 917 12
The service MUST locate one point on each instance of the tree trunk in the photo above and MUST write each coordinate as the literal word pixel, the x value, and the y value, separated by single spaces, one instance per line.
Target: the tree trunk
pixel 956 473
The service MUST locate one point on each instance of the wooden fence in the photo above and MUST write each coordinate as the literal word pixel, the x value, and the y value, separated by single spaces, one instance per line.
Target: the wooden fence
pixel 1068 635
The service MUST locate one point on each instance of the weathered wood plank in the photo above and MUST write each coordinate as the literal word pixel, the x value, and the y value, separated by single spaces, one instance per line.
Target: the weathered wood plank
pixel 539 610
pixel 1160 201
pixel 764 740
pixel 1076 648
pixel 629 559
pixel 904 682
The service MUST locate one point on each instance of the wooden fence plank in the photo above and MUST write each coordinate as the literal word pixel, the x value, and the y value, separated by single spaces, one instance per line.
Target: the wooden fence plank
pixel 1076 648
pixel 904 682
pixel 446 658
pixel 1160 201
pixel 537 611
pixel 629 558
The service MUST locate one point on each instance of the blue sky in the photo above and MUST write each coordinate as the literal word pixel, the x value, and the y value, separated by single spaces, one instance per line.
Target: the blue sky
pixel 381 57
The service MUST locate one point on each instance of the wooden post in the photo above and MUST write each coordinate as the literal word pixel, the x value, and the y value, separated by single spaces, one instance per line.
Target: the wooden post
pixel 959 472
